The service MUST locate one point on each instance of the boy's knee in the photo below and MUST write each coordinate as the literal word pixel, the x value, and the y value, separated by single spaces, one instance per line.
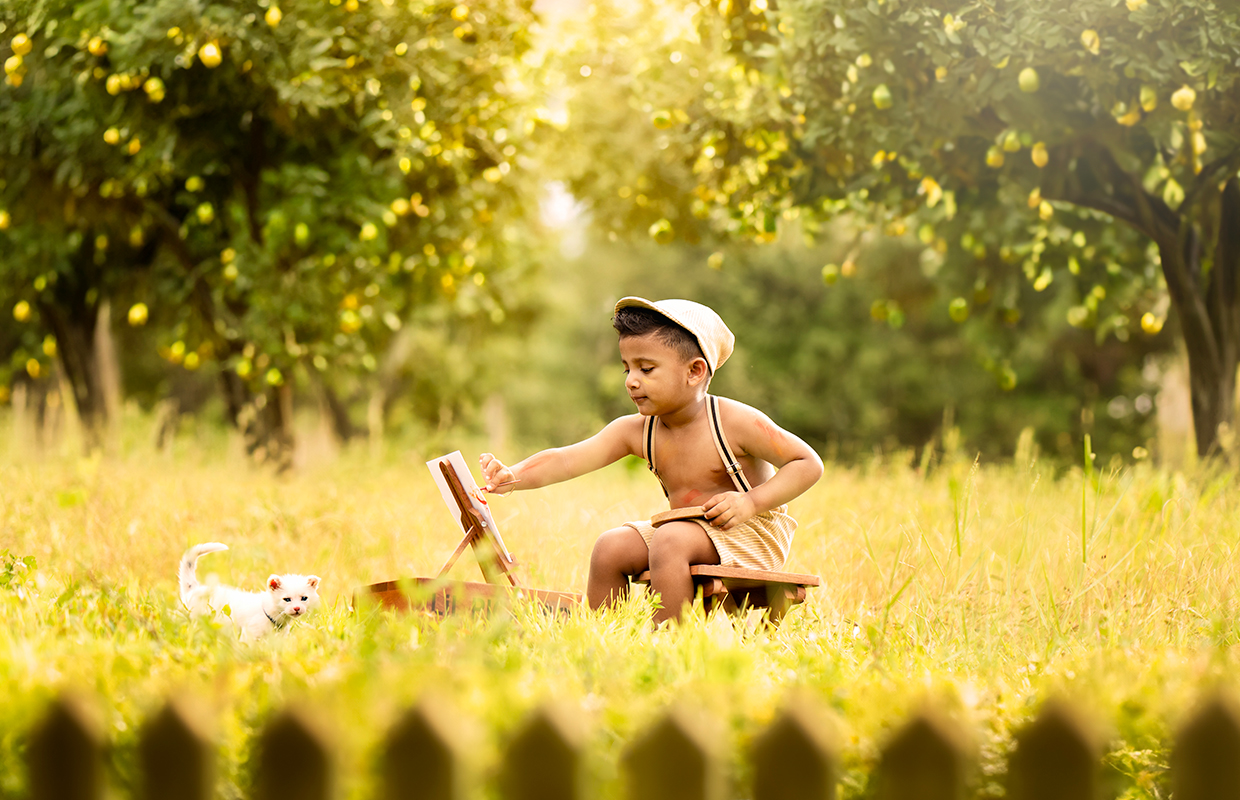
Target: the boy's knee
pixel 681 544
pixel 671 546
pixel 619 548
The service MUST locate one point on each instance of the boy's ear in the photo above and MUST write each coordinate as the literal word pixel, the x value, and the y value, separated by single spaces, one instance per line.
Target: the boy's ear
pixel 699 371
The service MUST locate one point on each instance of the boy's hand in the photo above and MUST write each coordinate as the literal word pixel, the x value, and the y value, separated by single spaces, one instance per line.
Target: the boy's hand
pixel 494 472
pixel 728 510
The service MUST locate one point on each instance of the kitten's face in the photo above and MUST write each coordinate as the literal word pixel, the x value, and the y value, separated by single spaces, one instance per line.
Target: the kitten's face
pixel 294 595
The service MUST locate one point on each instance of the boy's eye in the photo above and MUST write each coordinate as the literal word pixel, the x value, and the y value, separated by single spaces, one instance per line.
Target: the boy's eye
pixel 647 370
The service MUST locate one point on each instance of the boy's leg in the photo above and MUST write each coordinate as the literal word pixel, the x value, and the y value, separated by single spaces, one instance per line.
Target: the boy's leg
pixel 618 553
pixel 675 547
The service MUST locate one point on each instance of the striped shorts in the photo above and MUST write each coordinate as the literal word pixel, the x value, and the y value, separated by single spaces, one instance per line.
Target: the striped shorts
pixel 761 543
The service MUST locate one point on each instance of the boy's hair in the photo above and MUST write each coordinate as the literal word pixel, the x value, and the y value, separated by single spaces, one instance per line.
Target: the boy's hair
pixel 636 321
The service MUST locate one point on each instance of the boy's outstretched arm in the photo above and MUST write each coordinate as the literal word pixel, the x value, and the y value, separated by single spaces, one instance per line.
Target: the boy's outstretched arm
pixel 797 467
pixel 616 440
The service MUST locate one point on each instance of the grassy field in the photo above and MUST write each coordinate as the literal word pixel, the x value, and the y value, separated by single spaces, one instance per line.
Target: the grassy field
pixel 982 590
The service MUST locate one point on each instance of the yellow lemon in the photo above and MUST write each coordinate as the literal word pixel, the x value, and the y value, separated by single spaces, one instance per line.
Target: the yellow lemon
pixel 1183 98
pixel 994 158
pixel 205 213
pixel 881 97
pixel 209 54
pixel 97 46
pixel 1131 118
pixel 1039 155
pixel 12 64
pixel 1029 80
pixel 1011 142
pixel 1091 41
pixel 21 44
pixel 5 220
pixel 273 16
pixel 21 311
pixel 1150 323
pixel 138 314
pixel 662 231
pixel 154 88
pixel 368 232
pixel 1136 5
pixel 112 136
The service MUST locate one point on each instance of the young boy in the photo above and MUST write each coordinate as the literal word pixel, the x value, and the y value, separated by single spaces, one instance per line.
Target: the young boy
pixel 706 451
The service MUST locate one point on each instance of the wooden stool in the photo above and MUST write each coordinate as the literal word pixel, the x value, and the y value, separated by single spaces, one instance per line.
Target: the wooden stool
pixel 736 589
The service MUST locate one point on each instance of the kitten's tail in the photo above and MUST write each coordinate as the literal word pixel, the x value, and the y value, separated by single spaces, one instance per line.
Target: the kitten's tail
pixel 186 577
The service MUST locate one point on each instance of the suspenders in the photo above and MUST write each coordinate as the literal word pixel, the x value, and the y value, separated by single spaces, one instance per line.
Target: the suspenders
pixel 730 463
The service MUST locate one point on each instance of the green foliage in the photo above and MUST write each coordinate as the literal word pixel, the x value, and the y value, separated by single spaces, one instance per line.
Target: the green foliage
pixel 1086 143
pixel 275 186
pixel 869 358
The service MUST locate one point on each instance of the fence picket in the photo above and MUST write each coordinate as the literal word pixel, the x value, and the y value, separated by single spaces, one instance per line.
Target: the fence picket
pixel 675 760
pixel 422 759
pixel 1056 758
pixel 65 754
pixel 294 761
pixel 544 759
pixel 177 757
pixel 1206 760
pixel 795 757
pixel 923 761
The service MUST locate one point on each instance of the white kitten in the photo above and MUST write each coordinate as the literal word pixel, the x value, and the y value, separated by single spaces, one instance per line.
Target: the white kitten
pixel 288 597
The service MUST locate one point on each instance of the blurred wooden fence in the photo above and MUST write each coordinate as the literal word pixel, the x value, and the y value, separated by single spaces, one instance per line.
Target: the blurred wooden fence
pixel 1054 758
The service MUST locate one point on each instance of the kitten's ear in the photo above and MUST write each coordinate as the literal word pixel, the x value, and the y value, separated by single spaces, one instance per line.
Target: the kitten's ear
pixel 274 583
pixel 313 580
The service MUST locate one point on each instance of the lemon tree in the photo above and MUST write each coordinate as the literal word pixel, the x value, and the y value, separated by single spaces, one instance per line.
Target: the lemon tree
pixel 1093 143
pixel 274 189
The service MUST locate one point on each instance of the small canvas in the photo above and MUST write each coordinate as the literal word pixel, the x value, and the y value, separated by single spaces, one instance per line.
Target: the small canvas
pixel 476 496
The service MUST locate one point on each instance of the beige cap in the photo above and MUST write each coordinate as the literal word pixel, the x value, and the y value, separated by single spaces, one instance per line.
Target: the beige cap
pixel 712 334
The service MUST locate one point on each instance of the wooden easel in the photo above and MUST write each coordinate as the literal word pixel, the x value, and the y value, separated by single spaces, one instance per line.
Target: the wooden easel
pixel 443 596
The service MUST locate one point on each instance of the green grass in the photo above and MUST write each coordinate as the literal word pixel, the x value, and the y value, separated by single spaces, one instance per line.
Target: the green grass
pixel 981 589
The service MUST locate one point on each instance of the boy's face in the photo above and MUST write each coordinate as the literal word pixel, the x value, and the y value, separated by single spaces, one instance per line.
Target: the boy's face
pixel 657 377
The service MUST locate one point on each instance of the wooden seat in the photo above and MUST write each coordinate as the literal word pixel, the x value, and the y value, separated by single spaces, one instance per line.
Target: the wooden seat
pixel 737 588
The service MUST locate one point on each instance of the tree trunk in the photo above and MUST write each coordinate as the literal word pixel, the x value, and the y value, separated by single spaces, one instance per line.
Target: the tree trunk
pixel 1210 314
pixel 1199 247
pixel 265 419
pixel 73 321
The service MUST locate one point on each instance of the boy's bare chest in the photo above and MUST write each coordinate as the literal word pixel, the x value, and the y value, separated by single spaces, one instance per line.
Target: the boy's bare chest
pixel 689 464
